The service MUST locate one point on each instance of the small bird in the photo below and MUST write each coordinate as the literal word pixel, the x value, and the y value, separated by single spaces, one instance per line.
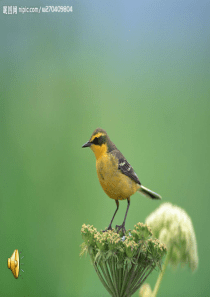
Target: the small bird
pixel 115 174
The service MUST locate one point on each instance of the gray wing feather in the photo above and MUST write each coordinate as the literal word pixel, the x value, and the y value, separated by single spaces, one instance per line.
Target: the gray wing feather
pixel 125 167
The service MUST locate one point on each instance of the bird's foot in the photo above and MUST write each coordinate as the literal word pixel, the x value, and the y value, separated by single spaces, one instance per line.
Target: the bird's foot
pixel 121 228
pixel 109 228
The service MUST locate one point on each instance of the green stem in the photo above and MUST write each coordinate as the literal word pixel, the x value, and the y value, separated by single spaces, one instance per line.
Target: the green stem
pixel 120 276
pixel 138 274
pixel 140 282
pixel 130 279
pixel 117 277
pixel 113 274
pixel 102 280
pixel 157 285
pixel 126 272
pixel 109 283
pixel 109 278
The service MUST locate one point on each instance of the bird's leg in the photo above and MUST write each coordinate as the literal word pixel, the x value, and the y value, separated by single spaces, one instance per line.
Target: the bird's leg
pixel 110 225
pixel 122 227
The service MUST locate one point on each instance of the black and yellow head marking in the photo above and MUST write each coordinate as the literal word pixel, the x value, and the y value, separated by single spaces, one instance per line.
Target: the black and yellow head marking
pixel 98 139
pixel 98 131
pixel 100 143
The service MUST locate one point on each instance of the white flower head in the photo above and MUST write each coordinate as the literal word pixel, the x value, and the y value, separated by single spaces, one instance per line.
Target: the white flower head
pixel 145 291
pixel 172 226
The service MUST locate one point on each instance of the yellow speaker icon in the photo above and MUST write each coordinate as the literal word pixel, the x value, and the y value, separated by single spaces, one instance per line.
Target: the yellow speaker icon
pixel 14 263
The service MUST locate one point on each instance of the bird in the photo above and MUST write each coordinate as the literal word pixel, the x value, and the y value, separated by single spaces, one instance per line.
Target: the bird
pixel 116 176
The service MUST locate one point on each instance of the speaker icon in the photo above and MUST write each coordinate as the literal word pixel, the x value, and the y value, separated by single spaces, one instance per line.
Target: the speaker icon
pixel 14 263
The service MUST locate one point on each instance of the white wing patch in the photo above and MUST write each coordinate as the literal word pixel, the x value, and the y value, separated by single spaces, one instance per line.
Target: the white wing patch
pixel 128 166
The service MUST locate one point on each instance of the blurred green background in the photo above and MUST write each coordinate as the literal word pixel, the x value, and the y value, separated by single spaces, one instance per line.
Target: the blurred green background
pixel 138 69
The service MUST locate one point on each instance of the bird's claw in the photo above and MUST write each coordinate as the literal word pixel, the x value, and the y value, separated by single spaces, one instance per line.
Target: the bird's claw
pixel 121 227
pixel 109 228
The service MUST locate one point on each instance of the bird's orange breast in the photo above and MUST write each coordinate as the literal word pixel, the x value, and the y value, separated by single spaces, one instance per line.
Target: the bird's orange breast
pixel 115 184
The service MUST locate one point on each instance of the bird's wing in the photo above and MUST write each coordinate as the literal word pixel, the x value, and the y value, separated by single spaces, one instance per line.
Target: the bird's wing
pixel 124 166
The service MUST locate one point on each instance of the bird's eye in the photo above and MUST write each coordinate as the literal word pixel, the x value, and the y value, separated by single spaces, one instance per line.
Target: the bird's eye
pixel 95 140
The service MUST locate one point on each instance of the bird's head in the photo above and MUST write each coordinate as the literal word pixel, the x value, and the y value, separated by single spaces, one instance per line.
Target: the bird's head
pixel 99 143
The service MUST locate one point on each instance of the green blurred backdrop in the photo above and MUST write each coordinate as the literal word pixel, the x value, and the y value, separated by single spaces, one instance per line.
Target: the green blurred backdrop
pixel 138 69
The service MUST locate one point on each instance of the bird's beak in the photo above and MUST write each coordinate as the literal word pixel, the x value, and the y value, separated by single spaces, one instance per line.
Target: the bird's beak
pixel 87 144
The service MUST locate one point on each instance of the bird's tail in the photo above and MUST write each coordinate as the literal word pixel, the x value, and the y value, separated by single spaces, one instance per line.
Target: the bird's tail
pixel 149 193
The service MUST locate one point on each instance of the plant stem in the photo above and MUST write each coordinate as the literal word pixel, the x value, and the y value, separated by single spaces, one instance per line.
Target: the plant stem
pixel 120 275
pixel 113 274
pixel 130 279
pixel 102 266
pixel 138 274
pixel 140 282
pixel 109 278
pixel 102 280
pixel 124 281
pixel 157 285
